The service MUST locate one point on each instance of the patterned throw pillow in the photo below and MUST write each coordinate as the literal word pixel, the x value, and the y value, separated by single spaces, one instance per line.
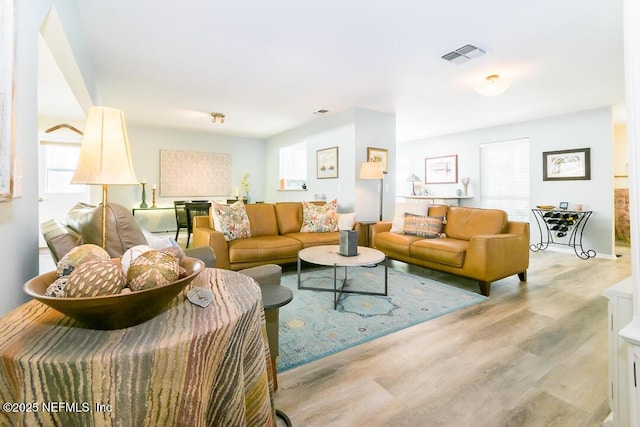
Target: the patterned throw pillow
pixel 430 227
pixel 232 220
pixel 319 219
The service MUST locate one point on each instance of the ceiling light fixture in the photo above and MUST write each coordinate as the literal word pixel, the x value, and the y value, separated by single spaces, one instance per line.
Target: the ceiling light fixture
pixel 493 85
pixel 321 111
pixel 217 117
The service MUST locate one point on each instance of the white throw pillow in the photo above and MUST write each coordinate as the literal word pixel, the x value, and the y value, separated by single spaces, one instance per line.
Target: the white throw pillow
pixel 346 221
pixel 416 207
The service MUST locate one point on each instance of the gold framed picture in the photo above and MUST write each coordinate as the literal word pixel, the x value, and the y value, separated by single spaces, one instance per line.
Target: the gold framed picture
pixel 379 155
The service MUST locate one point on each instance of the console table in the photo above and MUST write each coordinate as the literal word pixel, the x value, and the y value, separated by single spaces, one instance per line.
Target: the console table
pixel 187 366
pixel 567 227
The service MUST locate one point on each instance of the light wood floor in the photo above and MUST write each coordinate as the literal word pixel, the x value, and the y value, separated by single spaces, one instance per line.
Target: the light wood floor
pixel 534 354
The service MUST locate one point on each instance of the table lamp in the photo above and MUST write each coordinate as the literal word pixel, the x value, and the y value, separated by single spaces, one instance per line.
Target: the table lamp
pixel 105 158
pixel 413 178
pixel 373 170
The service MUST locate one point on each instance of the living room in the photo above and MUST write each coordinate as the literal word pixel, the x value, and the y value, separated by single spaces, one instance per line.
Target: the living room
pixel 352 128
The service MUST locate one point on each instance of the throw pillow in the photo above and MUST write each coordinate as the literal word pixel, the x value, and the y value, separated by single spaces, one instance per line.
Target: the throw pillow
pixel 430 227
pixel 232 220
pixel 319 219
pixel 413 207
pixel 346 221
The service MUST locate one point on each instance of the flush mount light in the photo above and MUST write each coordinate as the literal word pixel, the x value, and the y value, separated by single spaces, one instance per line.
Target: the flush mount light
pixel 217 117
pixel 493 85
pixel 321 112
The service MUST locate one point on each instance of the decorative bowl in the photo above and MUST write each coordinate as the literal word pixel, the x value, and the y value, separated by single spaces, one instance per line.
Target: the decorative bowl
pixel 545 207
pixel 114 311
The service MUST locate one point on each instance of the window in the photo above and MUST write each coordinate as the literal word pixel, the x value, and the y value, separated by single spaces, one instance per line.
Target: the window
pixel 60 161
pixel 293 166
pixel 504 177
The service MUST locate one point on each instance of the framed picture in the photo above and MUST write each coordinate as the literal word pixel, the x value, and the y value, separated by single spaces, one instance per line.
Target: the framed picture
pixel 379 155
pixel 327 163
pixel 564 205
pixel 441 170
pixel 566 164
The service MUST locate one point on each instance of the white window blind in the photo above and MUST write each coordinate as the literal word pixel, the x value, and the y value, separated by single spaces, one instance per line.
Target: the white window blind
pixel 504 177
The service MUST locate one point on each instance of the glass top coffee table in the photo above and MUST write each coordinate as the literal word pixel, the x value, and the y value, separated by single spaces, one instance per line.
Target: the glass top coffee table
pixel 328 255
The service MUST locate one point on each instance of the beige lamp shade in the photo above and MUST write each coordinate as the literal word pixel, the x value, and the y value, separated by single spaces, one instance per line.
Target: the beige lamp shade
pixel 371 170
pixel 105 157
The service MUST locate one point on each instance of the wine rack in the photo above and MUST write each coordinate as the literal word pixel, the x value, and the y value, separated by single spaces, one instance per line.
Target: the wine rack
pixel 562 227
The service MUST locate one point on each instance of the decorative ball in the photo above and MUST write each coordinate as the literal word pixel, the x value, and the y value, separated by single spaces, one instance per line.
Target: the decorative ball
pixel 131 254
pixel 152 269
pixel 94 278
pixel 56 289
pixel 79 255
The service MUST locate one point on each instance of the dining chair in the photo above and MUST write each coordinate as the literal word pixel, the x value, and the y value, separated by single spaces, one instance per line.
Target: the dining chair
pixel 199 208
pixel 181 217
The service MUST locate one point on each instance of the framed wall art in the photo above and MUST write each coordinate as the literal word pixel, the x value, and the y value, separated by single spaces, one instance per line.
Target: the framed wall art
pixel 441 170
pixel 327 163
pixel 566 165
pixel 194 174
pixel 379 155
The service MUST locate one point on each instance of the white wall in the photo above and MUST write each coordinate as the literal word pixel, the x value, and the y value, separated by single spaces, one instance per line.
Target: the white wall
pixel 352 132
pixel 591 128
pixel 247 156
pixel 19 218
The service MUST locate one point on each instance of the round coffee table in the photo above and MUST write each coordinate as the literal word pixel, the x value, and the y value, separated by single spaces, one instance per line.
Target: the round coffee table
pixel 328 255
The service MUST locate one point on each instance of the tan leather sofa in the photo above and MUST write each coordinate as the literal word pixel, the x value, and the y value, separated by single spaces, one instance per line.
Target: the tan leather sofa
pixel 481 244
pixel 275 237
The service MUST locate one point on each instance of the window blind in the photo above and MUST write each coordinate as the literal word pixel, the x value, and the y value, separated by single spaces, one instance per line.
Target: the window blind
pixel 504 177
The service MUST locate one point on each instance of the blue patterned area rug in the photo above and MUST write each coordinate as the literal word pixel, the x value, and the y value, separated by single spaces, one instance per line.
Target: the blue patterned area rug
pixel 311 329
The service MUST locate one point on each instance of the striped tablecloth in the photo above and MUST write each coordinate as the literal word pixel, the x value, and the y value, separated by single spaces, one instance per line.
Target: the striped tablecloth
pixel 188 366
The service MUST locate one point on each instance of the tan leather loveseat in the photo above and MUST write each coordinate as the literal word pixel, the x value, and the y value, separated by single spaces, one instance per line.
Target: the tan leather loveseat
pixel 275 237
pixel 480 244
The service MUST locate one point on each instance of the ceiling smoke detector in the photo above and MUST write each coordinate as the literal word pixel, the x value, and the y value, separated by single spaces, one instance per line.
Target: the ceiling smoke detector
pixel 463 54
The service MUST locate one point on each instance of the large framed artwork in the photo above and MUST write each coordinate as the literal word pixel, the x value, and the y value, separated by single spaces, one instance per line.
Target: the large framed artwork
pixel 194 174
pixel 566 165
pixel 327 163
pixel 379 155
pixel 441 170
pixel 7 86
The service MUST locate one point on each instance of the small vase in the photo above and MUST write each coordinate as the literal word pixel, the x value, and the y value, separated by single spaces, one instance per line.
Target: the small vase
pixel 247 198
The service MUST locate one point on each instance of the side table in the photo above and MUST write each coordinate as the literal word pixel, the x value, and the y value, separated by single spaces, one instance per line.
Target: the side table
pixel 366 228
pixel 187 366
pixel 274 297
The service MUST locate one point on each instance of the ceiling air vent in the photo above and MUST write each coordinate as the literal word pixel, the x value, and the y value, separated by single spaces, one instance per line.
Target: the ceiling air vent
pixel 463 54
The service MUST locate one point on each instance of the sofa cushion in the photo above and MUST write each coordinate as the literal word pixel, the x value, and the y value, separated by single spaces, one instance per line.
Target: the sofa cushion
pixel 346 221
pixel 263 248
pixel 232 220
pixel 315 239
pixel 262 217
pixel 389 242
pixel 416 207
pixel 123 232
pixel 442 251
pixel 289 217
pixel 319 219
pixel 424 226
pixel 464 223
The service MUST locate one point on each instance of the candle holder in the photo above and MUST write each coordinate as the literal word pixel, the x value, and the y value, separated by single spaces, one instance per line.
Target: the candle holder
pixel 143 205
pixel 153 198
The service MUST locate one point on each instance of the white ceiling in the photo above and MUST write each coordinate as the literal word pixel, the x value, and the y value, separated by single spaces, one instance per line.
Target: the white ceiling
pixel 269 65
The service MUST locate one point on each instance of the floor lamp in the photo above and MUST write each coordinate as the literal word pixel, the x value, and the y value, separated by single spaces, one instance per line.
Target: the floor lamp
pixel 373 170
pixel 105 158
